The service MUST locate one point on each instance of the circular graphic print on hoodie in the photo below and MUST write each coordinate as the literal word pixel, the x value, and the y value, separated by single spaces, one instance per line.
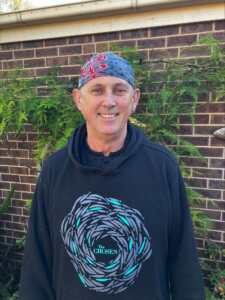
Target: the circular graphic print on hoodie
pixel 107 242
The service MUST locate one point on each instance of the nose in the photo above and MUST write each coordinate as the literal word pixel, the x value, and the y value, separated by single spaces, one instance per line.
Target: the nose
pixel 109 99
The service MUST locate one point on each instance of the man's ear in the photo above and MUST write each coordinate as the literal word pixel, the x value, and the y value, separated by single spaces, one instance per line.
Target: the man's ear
pixel 136 97
pixel 76 94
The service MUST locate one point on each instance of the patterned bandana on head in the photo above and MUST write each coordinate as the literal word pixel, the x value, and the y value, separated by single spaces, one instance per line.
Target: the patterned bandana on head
pixel 106 64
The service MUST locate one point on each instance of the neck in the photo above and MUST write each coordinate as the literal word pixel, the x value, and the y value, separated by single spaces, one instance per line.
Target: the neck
pixel 106 144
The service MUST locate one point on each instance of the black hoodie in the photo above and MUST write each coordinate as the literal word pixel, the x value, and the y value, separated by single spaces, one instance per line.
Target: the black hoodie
pixel 118 228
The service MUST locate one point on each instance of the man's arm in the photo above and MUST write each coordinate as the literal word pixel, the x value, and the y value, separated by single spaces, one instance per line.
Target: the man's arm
pixel 184 272
pixel 36 274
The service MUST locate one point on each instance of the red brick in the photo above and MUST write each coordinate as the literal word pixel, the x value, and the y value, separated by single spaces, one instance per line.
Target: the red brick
pixel 5 232
pixel 15 226
pixel 57 61
pixel 211 194
pixel 168 30
pixel 198 119
pixel 212 214
pixel 163 54
pixel 106 36
pixel 24 54
pixel 26 145
pixel 6 55
pixel 215 235
pixel 26 212
pixel 220 36
pixel 33 171
pixel 43 72
pixel 217 142
pixel 10 178
pixel 4 169
pixel 217 163
pixel 12 64
pixel 32 154
pixel 4 185
pixel 201 119
pixel 6 217
pixel 196 27
pixel 55 42
pixel 69 50
pixel 22 187
pixel 220 25
pixel 81 39
pixel 78 59
pixel 4 152
pixel 33 188
pixel 27 196
pixel 185 129
pixel 217 184
pixel 6 144
pixel 8 161
pixel 195 51
pixel 181 40
pixel 218 225
pixel 28 179
pixel 209 173
pixel 19 203
pixel 19 170
pixel 113 46
pixel 223 216
pixel 88 48
pixel 10 46
pixel 134 34
pixel 17 137
pixel 69 70
pixel 101 47
pixel 196 182
pixel 27 163
pixel 216 107
pixel 211 152
pixel 195 162
pixel 32 137
pixel 32 63
pixel 218 119
pixel 18 235
pixel 27 73
pixel 33 44
pixel 151 43
pixel 16 195
pixel 199 243
pixel 46 52
pixel 205 129
pixel 19 153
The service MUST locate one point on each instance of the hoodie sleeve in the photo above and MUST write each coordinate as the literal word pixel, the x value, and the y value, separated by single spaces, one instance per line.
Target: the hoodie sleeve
pixel 184 271
pixel 36 276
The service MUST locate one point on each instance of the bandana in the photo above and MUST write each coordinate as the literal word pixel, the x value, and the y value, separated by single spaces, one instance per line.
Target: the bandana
pixel 106 64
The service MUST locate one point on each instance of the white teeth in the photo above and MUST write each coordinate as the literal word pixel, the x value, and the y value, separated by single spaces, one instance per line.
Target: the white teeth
pixel 108 116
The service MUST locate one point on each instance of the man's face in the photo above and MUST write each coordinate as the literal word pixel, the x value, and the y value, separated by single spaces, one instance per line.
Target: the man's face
pixel 106 104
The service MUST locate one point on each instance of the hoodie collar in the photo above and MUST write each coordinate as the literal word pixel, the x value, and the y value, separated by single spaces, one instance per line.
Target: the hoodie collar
pixel 131 145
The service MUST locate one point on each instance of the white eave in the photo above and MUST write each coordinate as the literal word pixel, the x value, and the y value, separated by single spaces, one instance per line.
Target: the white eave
pixel 96 16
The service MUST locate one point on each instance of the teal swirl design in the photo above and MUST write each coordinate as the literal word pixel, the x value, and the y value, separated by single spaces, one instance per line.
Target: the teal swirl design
pixel 93 219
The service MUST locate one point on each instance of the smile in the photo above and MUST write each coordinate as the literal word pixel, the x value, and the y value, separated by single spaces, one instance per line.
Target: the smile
pixel 108 116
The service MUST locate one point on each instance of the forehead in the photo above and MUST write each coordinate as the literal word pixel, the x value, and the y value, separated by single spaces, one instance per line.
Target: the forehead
pixel 106 81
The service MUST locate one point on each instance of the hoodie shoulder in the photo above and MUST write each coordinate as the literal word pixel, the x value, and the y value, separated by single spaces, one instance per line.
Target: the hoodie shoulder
pixel 159 151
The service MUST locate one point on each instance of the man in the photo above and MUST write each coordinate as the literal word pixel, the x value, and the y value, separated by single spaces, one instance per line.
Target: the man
pixel 110 216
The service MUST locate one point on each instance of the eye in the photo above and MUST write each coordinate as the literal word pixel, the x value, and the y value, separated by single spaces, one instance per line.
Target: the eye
pixel 96 91
pixel 120 91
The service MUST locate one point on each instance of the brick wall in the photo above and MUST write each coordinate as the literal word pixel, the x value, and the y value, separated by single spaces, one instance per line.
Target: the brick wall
pixel 36 57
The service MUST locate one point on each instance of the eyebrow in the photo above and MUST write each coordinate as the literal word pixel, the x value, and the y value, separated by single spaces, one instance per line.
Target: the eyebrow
pixel 119 84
